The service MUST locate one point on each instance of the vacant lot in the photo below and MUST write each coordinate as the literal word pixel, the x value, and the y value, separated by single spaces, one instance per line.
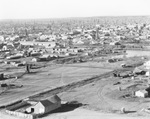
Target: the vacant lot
pixel 48 78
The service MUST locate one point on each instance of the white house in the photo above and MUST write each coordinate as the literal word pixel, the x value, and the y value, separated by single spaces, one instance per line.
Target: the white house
pixel 147 74
pixel 141 93
pixel 2 38
pixel 43 37
pixel 79 42
pixel 45 106
pixel 14 38
pixel 147 65
pixel 73 50
pixel 64 37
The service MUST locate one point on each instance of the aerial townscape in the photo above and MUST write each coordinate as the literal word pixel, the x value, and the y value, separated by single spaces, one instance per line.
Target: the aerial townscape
pixel 56 68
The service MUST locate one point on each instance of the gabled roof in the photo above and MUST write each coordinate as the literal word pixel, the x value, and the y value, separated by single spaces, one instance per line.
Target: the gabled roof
pixel 52 100
pixel 46 103
pixel 142 91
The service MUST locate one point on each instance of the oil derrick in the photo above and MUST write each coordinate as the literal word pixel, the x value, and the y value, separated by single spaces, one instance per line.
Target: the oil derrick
pixel 49 27
pixel 97 32
pixel 26 33
pixel 14 31
pixel 33 29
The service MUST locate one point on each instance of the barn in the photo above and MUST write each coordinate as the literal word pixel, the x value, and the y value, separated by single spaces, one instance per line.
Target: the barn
pixel 45 106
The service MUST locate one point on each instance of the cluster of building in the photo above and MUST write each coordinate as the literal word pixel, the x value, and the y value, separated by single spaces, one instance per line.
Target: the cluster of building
pixel 75 41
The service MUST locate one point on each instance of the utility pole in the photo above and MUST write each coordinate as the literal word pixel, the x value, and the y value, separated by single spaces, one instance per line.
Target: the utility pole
pixel 97 33
pixel 28 68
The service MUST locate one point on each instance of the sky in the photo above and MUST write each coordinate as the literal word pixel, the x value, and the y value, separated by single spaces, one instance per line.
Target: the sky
pixel 33 9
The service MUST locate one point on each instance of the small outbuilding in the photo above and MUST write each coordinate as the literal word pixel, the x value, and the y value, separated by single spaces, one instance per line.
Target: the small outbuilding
pixel 141 93
pixel 45 106
pixel 147 74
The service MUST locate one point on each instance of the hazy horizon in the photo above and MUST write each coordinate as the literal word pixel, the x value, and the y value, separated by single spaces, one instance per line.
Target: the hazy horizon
pixel 55 9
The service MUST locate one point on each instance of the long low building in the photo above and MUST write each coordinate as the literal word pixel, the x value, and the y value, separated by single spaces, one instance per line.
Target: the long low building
pixel 45 44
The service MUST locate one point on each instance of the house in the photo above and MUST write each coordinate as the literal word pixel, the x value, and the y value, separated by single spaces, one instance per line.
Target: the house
pixel 2 38
pixel 45 106
pixel 141 93
pixel 14 38
pixel 73 50
pixel 43 37
pixel 46 44
pixel 147 74
pixel 147 65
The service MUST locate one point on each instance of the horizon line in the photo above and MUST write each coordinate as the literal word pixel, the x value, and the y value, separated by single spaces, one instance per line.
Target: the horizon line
pixel 73 17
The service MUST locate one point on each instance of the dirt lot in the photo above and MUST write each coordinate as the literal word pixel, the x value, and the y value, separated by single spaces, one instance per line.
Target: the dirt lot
pixel 103 95
pixel 48 77
pixel 98 95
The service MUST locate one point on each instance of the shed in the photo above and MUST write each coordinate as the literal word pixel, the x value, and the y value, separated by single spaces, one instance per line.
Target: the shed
pixel 45 106
pixel 147 64
pixel 147 74
pixel 141 93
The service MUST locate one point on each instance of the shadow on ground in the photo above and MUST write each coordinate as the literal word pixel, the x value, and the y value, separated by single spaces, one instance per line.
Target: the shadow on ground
pixel 35 72
pixel 127 112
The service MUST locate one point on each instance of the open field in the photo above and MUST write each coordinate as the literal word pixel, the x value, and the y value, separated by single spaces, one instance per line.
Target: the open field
pixel 95 95
pixel 72 82
pixel 49 78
